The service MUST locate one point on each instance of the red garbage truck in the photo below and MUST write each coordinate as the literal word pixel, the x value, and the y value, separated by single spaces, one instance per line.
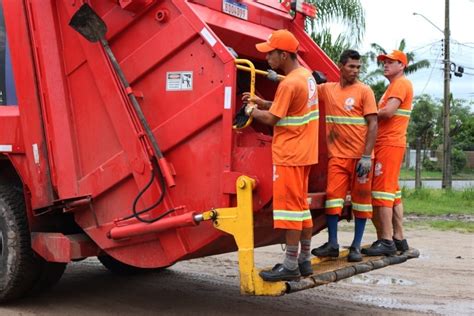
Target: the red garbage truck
pixel 120 141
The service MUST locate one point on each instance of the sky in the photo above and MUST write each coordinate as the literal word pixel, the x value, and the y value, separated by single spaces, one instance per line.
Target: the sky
pixel 388 22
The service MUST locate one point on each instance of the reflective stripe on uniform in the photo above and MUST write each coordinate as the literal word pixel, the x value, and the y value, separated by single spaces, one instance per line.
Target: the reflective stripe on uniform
pixel 346 120
pixel 362 207
pixel 398 194
pixel 292 216
pixel 299 120
pixel 334 203
pixel 405 113
pixel 383 195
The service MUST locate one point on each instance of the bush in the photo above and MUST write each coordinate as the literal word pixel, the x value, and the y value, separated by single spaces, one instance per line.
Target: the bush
pixel 458 160
pixel 430 165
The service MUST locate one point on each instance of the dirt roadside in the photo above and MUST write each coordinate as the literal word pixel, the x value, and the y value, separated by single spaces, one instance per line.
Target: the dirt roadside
pixel 441 281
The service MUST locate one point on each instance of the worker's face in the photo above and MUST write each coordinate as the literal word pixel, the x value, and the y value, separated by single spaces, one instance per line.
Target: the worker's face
pixel 350 70
pixel 276 58
pixel 392 67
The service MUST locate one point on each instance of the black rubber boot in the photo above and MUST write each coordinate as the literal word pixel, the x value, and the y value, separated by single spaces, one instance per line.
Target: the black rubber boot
pixel 354 255
pixel 364 250
pixel 326 250
pixel 280 273
pixel 383 247
pixel 402 245
pixel 306 268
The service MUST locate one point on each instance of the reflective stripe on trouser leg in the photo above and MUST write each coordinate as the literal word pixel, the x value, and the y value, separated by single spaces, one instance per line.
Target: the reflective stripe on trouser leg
pixel 398 198
pixel 362 210
pixel 334 206
pixel 291 219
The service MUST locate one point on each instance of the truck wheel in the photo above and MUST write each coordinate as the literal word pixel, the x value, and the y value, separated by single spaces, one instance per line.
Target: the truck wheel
pixel 19 269
pixel 120 268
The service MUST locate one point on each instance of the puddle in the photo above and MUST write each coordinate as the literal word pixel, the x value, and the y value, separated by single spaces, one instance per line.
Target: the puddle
pixel 458 307
pixel 393 303
pixel 378 280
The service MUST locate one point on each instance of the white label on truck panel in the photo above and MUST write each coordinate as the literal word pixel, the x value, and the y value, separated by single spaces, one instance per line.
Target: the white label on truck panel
pixel 6 148
pixel 227 97
pixel 235 8
pixel 179 81
pixel 208 36
pixel 36 155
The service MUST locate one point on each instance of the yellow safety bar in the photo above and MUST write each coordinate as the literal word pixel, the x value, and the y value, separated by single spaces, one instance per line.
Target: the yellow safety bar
pixel 238 221
pixel 258 71
pixel 250 68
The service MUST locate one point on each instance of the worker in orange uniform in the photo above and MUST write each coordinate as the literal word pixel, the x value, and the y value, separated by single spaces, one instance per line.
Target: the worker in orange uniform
pixel 294 115
pixel 394 115
pixel 351 130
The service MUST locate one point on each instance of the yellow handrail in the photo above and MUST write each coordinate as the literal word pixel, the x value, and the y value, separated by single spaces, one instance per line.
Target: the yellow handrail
pixel 258 71
pixel 251 69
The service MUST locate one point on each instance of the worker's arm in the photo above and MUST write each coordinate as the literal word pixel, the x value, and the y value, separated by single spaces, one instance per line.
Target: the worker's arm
pixel 262 116
pixel 371 134
pixel 389 109
pixel 261 103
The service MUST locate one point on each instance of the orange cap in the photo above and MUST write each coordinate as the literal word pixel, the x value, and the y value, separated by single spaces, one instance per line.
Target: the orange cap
pixel 280 39
pixel 395 55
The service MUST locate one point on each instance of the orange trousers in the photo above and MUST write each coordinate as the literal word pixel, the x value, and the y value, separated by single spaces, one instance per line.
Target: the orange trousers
pixel 342 178
pixel 388 161
pixel 290 197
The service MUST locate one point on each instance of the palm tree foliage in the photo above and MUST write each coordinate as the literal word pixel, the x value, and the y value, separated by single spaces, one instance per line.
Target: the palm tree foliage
pixel 412 65
pixel 348 13
pixel 332 48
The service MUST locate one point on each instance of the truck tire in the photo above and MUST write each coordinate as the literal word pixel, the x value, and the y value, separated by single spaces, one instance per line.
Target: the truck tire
pixel 117 267
pixel 19 269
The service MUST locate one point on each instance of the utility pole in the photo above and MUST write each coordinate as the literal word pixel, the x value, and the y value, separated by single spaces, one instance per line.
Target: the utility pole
pixel 447 181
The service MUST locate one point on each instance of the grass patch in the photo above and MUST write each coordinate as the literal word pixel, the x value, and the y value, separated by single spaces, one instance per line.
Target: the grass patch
pixel 409 174
pixel 453 226
pixel 438 202
pixel 443 225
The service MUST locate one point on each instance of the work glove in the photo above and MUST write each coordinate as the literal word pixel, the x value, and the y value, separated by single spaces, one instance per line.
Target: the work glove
pixel 241 120
pixel 272 75
pixel 363 166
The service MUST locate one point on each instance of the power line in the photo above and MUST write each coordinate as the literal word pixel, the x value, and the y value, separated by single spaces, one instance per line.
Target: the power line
pixel 431 73
pixel 424 46
pixel 462 44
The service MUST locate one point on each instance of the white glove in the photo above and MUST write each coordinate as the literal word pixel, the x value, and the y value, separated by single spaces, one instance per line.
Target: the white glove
pixel 364 165
pixel 272 75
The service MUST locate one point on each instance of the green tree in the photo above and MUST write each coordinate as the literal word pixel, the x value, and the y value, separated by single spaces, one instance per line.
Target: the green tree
pixel 461 131
pixel 422 127
pixel 423 121
pixel 462 124
pixel 349 14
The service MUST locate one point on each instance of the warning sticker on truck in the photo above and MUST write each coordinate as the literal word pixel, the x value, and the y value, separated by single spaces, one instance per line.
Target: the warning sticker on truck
pixel 179 81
